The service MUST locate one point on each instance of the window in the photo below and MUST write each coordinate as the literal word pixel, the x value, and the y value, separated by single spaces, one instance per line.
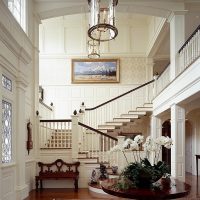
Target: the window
pixel 7 83
pixel 17 8
pixel 6 131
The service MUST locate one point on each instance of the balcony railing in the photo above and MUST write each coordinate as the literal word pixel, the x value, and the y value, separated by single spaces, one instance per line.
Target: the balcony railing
pixel 162 81
pixel 189 52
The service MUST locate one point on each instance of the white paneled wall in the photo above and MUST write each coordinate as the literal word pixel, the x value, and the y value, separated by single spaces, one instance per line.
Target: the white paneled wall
pixel 69 35
pixel 67 97
pixel 90 95
pixel 8 186
pixel 61 41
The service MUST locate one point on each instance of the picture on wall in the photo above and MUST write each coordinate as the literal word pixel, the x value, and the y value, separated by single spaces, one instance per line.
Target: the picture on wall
pixel 95 70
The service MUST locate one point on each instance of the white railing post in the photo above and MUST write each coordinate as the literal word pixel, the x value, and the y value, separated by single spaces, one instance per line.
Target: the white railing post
pixel 121 162
pixel 80 131
pixel 75 136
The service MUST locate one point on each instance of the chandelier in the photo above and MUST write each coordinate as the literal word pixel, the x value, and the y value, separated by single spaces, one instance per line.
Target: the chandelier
pixel 102 20
pixel 93 48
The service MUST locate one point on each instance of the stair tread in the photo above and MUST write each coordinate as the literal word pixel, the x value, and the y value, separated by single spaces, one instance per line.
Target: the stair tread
pixel 130 116
pixel 113 122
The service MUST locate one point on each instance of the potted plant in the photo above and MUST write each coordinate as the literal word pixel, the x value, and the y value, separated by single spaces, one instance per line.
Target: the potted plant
pixel 141 172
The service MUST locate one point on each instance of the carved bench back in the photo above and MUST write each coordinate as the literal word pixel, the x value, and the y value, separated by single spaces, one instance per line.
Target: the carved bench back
pixel 59 168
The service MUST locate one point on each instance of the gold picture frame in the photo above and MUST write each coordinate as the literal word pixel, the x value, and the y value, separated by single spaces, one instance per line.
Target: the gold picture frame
pixel 95 71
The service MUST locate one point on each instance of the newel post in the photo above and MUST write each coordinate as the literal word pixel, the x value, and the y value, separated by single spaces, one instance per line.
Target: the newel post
pixel 75 135
pixel 80 135
pixel 121 161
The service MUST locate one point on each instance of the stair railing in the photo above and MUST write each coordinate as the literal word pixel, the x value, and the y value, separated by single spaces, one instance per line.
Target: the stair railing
pixel 96 143
pixel 116 106
pixel 55 134
pixel 45 111
pixel 189 52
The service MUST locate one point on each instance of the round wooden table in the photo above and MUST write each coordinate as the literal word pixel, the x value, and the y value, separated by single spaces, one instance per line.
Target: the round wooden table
pixel 177 189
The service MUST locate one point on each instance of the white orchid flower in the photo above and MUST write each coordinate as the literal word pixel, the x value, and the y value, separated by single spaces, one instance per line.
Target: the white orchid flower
pixel 139 139
pixel 134 146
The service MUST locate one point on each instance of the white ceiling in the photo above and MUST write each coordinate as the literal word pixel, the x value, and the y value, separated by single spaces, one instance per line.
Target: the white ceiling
pixel 162 8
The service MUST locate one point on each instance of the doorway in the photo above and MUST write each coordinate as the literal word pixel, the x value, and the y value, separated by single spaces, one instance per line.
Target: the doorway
pixel 188 146
pixel 166 153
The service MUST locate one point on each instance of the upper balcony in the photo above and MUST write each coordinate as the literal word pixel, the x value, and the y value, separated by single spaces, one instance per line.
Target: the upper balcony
pixel 187 76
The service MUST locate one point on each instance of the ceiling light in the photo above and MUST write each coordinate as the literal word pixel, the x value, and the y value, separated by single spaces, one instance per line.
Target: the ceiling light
pixel 102 20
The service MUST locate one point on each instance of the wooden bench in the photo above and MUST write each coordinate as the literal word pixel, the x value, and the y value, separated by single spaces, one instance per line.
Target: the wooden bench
pixel 57 170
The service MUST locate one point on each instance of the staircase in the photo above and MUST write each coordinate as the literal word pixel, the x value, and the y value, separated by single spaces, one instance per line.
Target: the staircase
pixel 115 127
pixel 91 133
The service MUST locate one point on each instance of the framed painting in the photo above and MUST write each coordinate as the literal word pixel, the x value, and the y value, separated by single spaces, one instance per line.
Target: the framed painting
pixel 95 70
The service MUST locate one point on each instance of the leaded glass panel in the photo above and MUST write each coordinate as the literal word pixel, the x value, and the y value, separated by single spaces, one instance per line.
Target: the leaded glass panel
pixel 17 8
pixel 6 132
pixel 6 82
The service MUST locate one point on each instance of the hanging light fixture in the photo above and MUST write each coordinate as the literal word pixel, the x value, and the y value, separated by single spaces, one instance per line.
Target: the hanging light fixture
pixel 93 48
pixel 102 20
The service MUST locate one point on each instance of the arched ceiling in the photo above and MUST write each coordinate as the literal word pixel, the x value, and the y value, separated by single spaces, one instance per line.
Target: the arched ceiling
pixel 161 8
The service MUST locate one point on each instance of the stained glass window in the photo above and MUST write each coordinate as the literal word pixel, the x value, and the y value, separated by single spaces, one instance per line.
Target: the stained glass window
pixel 6 82
pixel 6 132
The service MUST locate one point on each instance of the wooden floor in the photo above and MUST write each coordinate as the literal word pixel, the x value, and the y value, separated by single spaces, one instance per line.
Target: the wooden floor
pixel 64 194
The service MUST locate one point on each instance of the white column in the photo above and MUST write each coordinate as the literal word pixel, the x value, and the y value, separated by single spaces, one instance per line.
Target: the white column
pixel 75 137
pixel 178 137
pixel 149 76
pixel 156 131
pixel 177 39
pixel 156 127
pixel 121 162
pixel 21 187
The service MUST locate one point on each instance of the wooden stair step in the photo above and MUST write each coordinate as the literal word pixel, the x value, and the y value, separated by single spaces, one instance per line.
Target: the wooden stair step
pixel 148 105
pixel 130 116
pixel 123 120
pixel 108 127
pixel 144 109
pixel 137 112
pixel 114 123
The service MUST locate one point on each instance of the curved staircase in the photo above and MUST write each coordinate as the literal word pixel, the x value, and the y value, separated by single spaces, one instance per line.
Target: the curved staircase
pixel 115 127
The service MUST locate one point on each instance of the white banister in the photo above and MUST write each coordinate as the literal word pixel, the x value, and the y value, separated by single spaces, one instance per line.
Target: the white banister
pixel 189 52
pixel 55 134
pixel 115 107
pixel 162 81
pixel 75 137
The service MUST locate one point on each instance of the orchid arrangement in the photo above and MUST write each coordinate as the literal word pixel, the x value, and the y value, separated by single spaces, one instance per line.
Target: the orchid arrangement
pixel 150 145
pixel 141 172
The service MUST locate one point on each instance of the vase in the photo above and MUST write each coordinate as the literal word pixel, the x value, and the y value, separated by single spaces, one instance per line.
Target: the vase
pixel 144 181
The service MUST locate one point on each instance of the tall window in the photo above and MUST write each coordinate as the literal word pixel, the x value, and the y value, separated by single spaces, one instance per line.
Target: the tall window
pixel 17 8
pixel 6 132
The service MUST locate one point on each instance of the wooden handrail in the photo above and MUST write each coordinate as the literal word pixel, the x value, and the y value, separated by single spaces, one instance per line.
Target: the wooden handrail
pixel 191 36
pixel 45 105
pixel 97 131
pixel 147 83
pixel 55 120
